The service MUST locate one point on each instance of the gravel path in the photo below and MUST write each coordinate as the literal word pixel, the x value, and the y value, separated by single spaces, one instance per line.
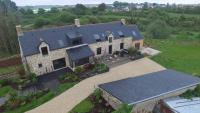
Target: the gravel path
pixel 70 98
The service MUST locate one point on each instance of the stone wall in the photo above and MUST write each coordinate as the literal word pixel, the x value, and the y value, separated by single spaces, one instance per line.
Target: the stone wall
pixel 112 101
pixel 46 61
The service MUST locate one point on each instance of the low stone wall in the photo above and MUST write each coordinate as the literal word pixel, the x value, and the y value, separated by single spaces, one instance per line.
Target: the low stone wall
pixel 112 101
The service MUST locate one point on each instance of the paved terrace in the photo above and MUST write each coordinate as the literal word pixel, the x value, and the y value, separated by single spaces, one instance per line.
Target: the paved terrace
pixel 70 98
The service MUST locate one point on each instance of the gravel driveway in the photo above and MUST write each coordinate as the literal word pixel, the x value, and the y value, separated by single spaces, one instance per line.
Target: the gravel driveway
pixel 70 98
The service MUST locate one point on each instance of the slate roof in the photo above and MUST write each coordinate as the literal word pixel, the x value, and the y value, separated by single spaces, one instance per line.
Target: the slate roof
pixel 57 37
pixel 80 52
pixel 142 88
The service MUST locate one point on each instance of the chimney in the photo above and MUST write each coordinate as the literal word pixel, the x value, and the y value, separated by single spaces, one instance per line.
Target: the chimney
pixel 77 22
pixel 19 30
pixel 123 21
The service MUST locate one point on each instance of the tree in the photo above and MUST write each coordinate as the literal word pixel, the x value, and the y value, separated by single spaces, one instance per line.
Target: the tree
pixel 8 21
pixel 80 9
pixel 67 17
pixel 41 11
pixel 102 7
pixel 54 10
pixel 158 29
pixel 29 12
pixel 22 10
pixel 40 22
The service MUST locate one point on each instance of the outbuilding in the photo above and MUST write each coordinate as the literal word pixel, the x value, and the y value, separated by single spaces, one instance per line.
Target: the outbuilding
pixel 144 92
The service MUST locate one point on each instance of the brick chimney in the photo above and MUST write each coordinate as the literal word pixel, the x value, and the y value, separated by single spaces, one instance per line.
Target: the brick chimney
pixel 123 21
pixel 77 22
pixel 19 30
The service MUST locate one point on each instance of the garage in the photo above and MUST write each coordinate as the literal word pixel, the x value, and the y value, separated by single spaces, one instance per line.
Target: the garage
pixel 59 63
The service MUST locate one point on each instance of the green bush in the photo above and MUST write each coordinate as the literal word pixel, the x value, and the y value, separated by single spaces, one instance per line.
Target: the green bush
pixel 101 68
pixel 192 93
pixel 97 94
pixel 132 50
pixel 79 70
pixel 33 77
pixel 3 82
pixel 69 77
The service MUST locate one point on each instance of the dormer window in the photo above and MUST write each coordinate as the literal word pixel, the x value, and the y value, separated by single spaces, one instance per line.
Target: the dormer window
pixel 44 51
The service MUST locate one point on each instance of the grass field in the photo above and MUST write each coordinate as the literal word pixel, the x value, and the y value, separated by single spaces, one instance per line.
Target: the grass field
pixel 83 107
pixel 180 53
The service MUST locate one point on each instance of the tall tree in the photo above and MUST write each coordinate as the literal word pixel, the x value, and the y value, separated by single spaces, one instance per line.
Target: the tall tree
pixel 41 11
pixel 102 7
pixel 8 21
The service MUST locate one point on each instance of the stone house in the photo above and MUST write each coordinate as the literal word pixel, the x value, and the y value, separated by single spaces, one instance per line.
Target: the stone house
pixel 48 50
pixel 146 91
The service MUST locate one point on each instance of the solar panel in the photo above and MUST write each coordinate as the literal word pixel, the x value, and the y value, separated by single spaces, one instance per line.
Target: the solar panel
pixel 61 43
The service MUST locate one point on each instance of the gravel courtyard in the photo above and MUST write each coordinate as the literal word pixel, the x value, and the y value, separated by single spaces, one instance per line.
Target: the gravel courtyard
pixel 70 98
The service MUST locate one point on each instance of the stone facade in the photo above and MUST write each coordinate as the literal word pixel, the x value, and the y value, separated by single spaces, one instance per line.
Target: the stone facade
pixel 46 61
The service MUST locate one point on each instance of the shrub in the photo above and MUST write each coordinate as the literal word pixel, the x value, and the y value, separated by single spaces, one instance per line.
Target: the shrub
pixel 72 77
pixel 33 77
pixel 132 50
pixel 88 66
pixel 79 70
pixel 101 68
pixel 4 82
pixel 97 94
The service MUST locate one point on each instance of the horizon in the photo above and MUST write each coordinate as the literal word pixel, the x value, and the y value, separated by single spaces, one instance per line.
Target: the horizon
pixel 91 2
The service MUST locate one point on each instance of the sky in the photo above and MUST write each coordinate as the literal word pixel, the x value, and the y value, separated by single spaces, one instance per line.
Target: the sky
pixel 73 2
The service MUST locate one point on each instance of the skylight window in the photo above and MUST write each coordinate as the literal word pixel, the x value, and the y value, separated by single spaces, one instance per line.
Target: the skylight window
pixel 61 43
pixel 121 34
pixel 97 38
pixel 134 33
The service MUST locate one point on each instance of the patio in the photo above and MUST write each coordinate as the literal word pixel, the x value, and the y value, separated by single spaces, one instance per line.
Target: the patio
pixel 113 61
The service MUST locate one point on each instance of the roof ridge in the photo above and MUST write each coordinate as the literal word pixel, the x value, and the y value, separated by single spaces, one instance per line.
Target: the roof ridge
pixel 72 25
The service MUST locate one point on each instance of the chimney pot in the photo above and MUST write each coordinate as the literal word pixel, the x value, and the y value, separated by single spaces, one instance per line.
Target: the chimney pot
pixel 19 30
pixel 123 21
pixel 77 22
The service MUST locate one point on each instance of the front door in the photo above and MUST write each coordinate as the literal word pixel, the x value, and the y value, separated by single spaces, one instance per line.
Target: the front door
pixel 137 45
pixel 110 49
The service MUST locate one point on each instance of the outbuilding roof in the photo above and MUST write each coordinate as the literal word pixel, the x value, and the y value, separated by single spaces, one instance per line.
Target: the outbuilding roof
pixel 59 37
pixel 149 86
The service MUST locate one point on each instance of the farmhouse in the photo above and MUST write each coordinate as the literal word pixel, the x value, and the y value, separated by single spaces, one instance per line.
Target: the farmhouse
pixel 48 50
pixel 144 92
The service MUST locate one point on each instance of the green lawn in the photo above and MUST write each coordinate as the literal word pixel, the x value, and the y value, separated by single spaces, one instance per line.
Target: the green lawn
pixel 42 99
pixel 7 69
pixel 83 107
pixel 180 53
pixel 5 90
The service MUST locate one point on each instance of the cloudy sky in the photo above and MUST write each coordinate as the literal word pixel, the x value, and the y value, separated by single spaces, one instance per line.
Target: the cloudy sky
pixel 72 2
